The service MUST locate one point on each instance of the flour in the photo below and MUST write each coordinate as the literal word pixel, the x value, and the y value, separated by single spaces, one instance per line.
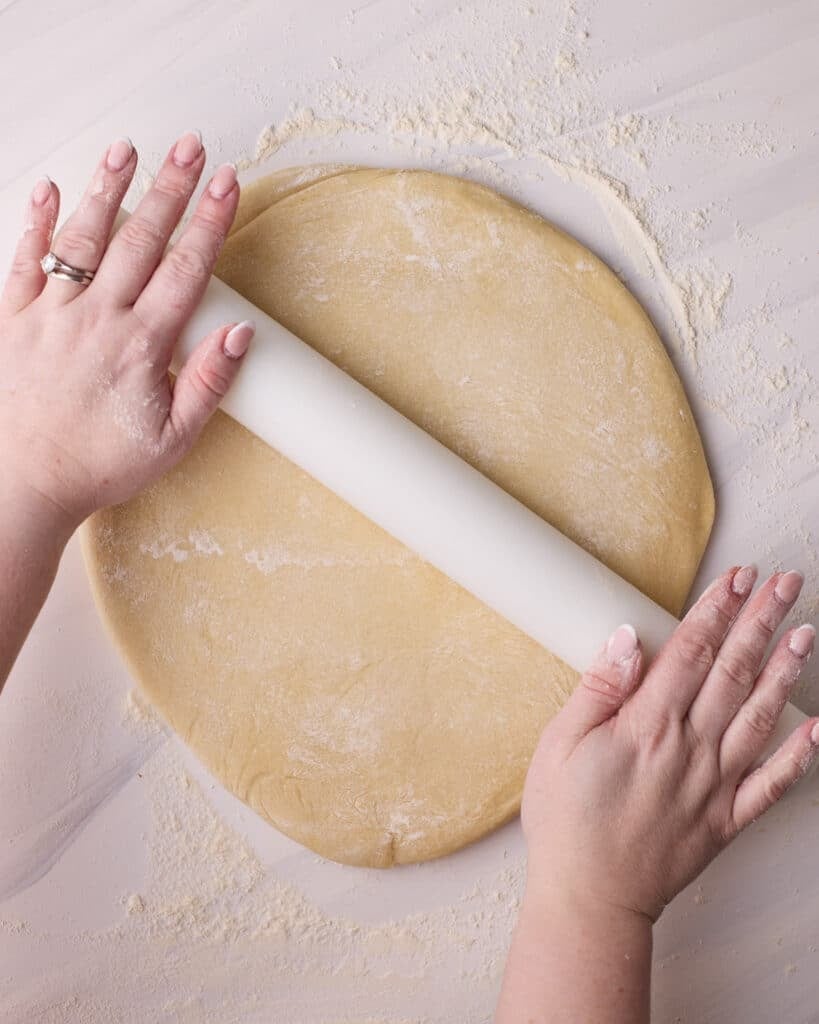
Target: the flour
pixel 271 560
pixel 531 104
pixel 508 94
pixel 209 908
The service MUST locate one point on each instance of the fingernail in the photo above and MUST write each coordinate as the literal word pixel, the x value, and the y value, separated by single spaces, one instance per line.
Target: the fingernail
pixel 744 580
pixel 788 586
pixel 237 340
pixel 41 191
pixel 119 154
pixel 223 181
pixel 187 149
pixel 814 735
pixel 622 645
pixel 802 640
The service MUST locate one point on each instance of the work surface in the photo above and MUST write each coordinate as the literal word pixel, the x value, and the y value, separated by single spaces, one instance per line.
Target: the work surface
pixel 677 141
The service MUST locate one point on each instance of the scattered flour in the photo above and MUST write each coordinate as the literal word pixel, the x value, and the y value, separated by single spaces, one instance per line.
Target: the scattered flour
pixel 526 104
pixel 531 103
pixel 209 908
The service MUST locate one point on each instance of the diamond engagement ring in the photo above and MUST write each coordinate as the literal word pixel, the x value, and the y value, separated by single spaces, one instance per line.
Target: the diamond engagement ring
pixel 54 267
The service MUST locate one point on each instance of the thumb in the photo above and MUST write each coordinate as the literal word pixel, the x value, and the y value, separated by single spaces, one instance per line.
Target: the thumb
pixel 606 684
pixel 204 380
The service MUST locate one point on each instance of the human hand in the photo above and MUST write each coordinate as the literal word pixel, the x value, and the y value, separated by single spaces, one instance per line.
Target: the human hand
pixel 636 786
pixel 88 414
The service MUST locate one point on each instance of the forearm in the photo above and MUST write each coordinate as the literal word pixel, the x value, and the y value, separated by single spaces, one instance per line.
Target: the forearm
pixel 33 534
pixel 573 959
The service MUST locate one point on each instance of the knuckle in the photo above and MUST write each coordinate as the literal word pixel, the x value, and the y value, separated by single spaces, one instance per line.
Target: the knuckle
pixel 212 378
pixel 24 264
pixel 606 689
pixel 775 788
pixel 211 223
pixel 140 235
pixel 77 238
pixel 187 264
pixel 168 187
pixel 760 719
pixel 724 831
pixel 720 616
pixel 698 650
pixel 737 673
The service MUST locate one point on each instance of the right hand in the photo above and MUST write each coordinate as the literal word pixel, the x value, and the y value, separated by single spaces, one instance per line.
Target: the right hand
pixel 636 786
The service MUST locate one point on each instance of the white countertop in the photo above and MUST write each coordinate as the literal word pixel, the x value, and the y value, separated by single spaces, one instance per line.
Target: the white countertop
pixel 679 142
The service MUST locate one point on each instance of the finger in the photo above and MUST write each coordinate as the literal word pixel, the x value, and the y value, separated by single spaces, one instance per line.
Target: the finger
pixel 172 294
pixel 25 278
pixel 136 249
pixel 682 665
pixel 81 241
pixel 204 381
pixel 761 790
pixel 749 732
pixel 605 686
pixel 734 673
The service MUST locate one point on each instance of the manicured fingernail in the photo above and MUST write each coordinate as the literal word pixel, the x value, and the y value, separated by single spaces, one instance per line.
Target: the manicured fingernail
pixel 788 586
pixel 744 580
pixel 187 149
pixel 814 735
pixel 622 645
pixel 119 154
pixel 237 340
pixel 41 191
pixel 802 640
pixel 223 181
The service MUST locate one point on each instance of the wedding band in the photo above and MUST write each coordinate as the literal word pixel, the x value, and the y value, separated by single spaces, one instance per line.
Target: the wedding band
pixel 53 266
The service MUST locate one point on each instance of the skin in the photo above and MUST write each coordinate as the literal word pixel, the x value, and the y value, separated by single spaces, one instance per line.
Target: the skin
pixel 636 785
pixel 88 413
pixel 639 782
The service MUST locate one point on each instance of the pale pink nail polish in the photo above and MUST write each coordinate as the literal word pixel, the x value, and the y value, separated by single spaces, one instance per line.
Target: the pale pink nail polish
pixel 788 586
pixel 187 149
pixel 41 191
pixel 119 154
pixel 814 735
pixel 622 644
pixel 802 641
pixel 744 580
pixel 223 181
pixel 238 338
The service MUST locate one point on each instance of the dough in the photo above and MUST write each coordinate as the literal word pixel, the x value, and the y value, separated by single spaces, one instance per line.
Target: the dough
pixel 351 694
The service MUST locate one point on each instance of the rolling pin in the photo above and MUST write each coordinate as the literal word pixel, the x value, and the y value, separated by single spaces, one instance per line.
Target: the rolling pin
pixel 425 496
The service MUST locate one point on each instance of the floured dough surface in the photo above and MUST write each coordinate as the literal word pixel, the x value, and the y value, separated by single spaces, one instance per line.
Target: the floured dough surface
pixel 350 693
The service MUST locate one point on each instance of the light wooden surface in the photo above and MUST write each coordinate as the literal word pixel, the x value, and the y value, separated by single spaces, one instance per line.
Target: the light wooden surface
pixel 738 82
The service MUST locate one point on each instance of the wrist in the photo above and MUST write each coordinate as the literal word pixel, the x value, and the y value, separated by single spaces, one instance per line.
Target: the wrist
pixel 551 898
pixel 576 956
pixel 30 517
pixel 33 533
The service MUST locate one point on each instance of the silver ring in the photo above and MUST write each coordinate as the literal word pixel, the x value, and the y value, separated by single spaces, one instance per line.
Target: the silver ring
pixel 53 266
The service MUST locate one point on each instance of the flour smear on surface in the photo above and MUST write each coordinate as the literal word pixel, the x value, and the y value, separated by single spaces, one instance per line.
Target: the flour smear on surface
pixel 514 95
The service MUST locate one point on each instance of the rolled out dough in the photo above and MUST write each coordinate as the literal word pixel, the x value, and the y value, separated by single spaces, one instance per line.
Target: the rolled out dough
pixel 355 697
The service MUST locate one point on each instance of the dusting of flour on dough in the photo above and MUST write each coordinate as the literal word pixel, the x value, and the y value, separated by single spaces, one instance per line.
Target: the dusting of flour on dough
pixel 546 113
pixel 503 93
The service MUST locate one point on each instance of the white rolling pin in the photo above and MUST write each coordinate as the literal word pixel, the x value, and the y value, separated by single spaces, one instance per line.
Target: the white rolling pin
pixel 425 496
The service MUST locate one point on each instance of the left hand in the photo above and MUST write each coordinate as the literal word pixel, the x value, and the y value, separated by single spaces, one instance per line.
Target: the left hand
pixel 88 414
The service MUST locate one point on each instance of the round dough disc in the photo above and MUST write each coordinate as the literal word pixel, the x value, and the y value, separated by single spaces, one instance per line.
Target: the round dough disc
pixel 351 694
